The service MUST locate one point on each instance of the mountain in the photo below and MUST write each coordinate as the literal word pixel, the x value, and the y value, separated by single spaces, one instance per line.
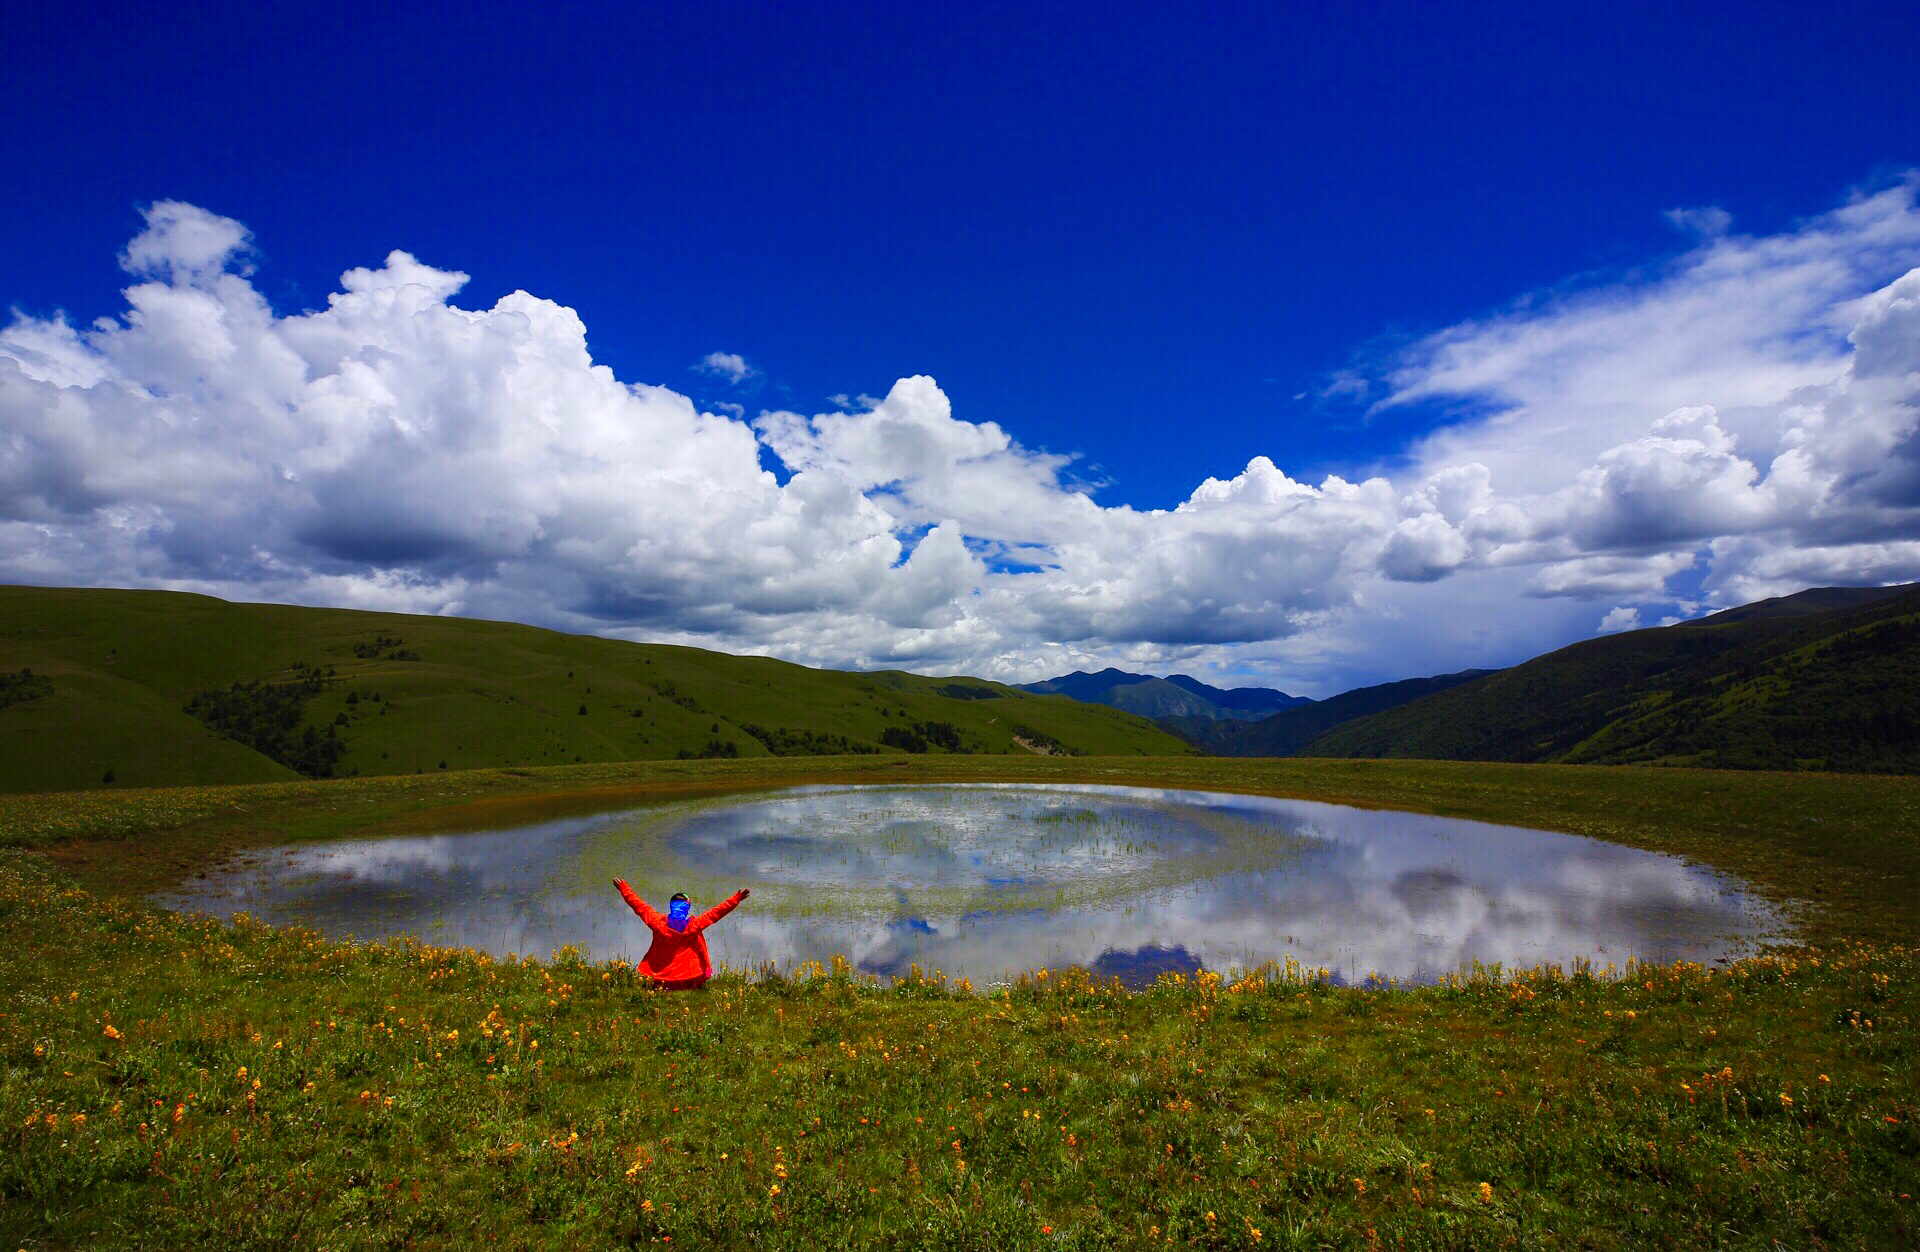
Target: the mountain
pixel 1257 701
pixel 1175 696
pixel 158 688
pixel 1826 679
pixel 1287 732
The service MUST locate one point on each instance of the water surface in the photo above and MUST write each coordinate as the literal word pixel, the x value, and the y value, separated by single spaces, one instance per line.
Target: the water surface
pixel 987 880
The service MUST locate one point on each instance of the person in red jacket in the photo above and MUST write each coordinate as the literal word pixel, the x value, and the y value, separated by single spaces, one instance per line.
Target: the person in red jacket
pixel 678 959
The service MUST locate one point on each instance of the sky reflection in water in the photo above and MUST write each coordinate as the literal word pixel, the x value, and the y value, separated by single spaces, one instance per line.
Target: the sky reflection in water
pixel 989 880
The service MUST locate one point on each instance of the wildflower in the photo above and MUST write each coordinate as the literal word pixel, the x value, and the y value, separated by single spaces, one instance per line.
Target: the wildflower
pixel 1786 1101
pixel 1823 1078
pixel 242 1073
pixel 1359 1188
pixel 107 1030
pixel 1046 1230
pixel 774 1190
pixel 646 1206
pixel 1486 1193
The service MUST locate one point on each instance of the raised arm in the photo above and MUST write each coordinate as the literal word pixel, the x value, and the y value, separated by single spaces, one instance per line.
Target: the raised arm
pixel 717 912
pixel 653 920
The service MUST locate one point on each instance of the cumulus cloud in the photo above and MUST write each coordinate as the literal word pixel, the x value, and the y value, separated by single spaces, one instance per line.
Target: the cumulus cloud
pixel 728 365
pixel 1747 413
pixel 1625 617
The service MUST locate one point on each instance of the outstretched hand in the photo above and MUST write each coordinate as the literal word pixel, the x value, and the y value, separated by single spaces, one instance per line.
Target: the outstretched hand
pixel 745 892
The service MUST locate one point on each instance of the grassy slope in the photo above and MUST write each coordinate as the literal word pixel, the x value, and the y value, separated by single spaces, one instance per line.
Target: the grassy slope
pixel 1837 689
pixel 438 1099
pixel 483 693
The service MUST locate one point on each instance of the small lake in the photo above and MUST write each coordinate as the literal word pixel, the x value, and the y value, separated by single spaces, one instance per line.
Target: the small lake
pixel 988 880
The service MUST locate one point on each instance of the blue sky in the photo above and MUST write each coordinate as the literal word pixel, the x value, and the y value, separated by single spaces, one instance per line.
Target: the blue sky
pixel 1381 242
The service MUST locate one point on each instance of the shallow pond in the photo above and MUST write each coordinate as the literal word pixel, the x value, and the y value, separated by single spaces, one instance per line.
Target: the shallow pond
pixel 985 881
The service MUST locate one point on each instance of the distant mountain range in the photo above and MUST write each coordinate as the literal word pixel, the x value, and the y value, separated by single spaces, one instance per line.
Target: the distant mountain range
pixel 1177 696
pixel 1289 731
pixel 1825 679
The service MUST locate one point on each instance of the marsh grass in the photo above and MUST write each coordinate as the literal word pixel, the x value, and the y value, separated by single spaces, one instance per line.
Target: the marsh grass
pixel 169 1081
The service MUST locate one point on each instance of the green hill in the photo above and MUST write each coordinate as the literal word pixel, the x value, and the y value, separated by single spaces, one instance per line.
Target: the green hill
pixel 1828 679
pixel 98 681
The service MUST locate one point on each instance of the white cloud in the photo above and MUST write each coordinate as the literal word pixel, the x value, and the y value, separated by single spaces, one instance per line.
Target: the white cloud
pixel 1625 617
pixel 185 243
pixel 1749 412
pixel 728 365
pixel 1610 575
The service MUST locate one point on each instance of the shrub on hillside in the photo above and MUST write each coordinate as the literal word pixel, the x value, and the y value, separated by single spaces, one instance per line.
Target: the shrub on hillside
pixel 21 686
pixel 788 742
pixel 267 718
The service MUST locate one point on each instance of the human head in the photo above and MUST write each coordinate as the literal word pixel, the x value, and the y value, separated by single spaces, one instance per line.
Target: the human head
pixel 678 909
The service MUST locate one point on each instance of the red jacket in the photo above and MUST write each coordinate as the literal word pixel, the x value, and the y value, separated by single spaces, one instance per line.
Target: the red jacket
pixel 678 958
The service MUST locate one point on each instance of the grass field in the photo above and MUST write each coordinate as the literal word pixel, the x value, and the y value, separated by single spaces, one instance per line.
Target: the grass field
pixel 166 1081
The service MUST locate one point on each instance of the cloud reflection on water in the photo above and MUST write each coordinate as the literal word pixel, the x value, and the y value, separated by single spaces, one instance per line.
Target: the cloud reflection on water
pixel 1397 894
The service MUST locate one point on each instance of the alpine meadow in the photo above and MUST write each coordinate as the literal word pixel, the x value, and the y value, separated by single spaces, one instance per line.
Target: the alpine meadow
pixel 949 627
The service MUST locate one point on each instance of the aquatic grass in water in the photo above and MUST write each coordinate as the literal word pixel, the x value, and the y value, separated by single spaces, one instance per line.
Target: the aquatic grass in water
pixel 988 881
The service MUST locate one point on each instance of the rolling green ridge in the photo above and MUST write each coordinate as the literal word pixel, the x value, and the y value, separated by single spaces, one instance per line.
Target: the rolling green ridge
pixel 113 674
pixel 1823 680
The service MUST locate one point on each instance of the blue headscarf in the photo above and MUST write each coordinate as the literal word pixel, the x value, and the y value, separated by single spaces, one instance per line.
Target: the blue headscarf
pixel 678 910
